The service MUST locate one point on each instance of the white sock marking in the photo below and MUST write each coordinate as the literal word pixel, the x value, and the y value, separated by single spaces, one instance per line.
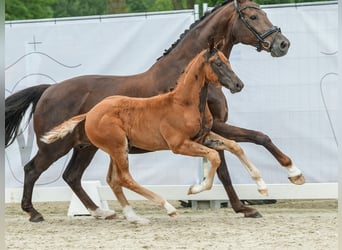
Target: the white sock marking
pixel 293 171
pixel 131 216
pixel 99 213
pixel 169 208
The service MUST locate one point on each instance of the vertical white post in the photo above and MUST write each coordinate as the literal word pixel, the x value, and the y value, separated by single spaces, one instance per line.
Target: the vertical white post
pixel 196 10
pixel 205 7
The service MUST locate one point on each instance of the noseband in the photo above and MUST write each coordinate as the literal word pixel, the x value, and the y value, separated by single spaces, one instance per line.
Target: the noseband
pixel 260 37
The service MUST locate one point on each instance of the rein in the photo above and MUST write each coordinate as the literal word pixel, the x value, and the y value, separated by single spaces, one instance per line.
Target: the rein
pixel 260 37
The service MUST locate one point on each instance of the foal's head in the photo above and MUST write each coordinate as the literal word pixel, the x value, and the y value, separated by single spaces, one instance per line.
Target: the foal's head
pixel 219 71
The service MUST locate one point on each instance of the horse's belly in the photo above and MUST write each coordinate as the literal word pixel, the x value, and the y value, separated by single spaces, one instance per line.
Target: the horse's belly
pixel 150 141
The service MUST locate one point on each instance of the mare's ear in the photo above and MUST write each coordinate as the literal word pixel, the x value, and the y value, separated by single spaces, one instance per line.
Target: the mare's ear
pixel 211 44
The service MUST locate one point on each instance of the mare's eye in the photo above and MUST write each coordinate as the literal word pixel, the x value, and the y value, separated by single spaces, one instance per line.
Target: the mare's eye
pixel 219 64
pixel 253 17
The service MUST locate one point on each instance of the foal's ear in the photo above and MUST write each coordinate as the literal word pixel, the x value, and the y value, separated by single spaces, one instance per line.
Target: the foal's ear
pixel 211 44
pixel 220 44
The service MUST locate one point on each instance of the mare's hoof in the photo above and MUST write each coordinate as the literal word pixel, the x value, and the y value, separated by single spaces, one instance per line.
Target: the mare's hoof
pixel 256 214
pixel 298 180
pixel 250 212
pixel 37 218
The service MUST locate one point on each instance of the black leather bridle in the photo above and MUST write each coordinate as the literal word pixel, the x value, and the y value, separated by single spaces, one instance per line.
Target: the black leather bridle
pixel 260 37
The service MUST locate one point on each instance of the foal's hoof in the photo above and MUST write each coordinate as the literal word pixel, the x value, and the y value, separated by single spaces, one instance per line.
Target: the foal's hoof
pixel 138 220
pixel 298 180
pixel 263 191
pixel 194 189
pixel 37 218
pixel 99 213
pixel 173 214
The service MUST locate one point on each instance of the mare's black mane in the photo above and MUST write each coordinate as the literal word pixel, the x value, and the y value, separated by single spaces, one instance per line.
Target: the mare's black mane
pixel 167 51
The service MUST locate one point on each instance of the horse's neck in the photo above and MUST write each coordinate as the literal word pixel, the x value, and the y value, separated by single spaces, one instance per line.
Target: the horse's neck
pixel 219 24
pixel 191 86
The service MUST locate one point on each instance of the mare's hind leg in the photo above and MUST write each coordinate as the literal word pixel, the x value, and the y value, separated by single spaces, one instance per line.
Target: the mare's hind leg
pixel 33 169
pixel 72 175
pixel 220 143
pixel 114 183
pixel 246 135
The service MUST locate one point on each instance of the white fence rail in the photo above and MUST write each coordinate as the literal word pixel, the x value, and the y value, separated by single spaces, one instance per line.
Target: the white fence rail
pixel 179 192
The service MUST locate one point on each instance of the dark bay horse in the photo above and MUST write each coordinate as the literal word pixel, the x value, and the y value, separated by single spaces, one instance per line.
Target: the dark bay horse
pixel 241 21
pixel 179 120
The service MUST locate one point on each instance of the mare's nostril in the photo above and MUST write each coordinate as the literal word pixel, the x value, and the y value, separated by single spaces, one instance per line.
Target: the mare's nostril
pixel 284 45
pixel 239 86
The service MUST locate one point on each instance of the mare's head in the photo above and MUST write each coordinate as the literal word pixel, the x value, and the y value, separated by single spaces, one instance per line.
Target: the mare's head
pixel 253 27
pixel 218 69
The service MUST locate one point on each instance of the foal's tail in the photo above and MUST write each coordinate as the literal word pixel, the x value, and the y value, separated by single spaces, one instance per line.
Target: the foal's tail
pixel 63 129
pixel 15 109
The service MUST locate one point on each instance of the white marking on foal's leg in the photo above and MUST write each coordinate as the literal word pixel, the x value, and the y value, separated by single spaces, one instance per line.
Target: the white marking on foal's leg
pixel 254 172
pixel 102 214
pixel 171 210
pixel 131 216
pixel 197 188
pixel 262 188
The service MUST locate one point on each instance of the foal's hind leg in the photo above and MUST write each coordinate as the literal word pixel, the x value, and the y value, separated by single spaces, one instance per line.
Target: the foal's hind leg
pixel 220 143
pixel 114 183
pixel 120 176
pixel 80 160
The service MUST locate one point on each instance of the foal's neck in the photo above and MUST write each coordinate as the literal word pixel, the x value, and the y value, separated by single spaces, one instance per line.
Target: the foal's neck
pixel 191 87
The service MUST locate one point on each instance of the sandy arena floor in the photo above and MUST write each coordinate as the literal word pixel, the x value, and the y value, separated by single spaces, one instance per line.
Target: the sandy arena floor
pixel 285 225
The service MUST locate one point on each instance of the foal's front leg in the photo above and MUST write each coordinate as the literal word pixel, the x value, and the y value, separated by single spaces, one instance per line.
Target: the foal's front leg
pixel 218 142
pixel 191 148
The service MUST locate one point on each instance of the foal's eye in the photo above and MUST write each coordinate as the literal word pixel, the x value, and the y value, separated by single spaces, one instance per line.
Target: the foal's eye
pixel 253 17
pixel 219 64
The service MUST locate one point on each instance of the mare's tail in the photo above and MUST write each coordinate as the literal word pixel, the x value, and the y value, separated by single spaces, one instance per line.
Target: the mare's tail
pixel 63 129
pixel 15 109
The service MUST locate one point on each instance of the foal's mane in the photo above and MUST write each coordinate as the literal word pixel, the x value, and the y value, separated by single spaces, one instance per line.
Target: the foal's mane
pixel 202 55
pixel 206 14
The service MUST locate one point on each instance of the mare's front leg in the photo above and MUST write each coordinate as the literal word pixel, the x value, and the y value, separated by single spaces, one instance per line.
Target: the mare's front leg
pixel 244 135
pixel 237 205
pixel 217 142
